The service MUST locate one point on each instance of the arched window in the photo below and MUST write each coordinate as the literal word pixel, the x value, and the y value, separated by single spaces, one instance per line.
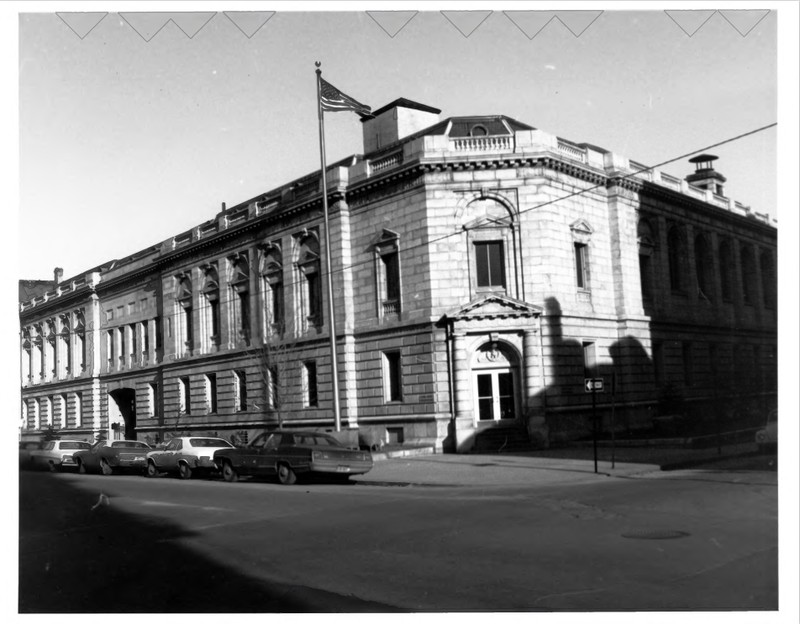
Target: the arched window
pixel 240 294
pixel 703 264
pixel 272 278
pixel 675 254
pixel 185 310
pixel 725 270
pixel 211 309
pixel 749 277
pixel 768 278
pixel 308 262
pixel 647 245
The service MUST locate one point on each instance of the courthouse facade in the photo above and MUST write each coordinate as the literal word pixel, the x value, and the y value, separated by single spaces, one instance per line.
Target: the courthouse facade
pixel 482 270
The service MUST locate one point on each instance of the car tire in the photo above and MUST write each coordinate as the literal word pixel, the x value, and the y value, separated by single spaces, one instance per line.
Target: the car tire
pixel 229 472
pixel 184 471
pixel 151 471
pixel 286 475
pixel 105 467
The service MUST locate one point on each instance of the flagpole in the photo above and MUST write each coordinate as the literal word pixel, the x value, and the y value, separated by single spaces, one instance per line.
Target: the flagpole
pixel 331 314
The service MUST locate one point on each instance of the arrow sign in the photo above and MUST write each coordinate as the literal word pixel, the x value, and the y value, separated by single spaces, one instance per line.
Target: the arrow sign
pixel 593 385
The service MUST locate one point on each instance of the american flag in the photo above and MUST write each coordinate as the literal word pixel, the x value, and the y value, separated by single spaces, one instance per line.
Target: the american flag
pixel 334 100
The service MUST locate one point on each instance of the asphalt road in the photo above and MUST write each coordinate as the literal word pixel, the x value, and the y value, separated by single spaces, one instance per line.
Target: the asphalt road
pixel 685 540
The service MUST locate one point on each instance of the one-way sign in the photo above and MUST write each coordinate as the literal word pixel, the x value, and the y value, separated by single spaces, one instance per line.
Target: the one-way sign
pixel 595 384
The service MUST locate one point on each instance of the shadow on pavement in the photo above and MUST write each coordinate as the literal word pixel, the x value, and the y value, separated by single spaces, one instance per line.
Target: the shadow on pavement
pixel 78 554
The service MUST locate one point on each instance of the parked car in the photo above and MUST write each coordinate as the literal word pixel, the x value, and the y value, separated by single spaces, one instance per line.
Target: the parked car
pixel 287 454
pixel 25 449
pixel 767 438
pixel 108 456
pixel 57 454
pixel 186 456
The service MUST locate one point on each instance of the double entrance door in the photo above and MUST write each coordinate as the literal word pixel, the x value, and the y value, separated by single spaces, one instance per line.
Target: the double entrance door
pixel 495 395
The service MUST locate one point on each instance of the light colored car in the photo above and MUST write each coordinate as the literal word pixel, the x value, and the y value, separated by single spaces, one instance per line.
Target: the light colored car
pixel 186 456
pixel 767 438
pixel 56 455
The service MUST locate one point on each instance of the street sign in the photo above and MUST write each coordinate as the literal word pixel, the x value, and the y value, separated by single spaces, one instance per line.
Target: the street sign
pixel 593 384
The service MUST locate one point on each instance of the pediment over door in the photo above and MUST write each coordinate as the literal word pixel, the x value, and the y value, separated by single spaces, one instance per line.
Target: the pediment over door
pixel 494 307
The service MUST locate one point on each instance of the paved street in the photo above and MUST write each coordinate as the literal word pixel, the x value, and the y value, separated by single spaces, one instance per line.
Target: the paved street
pixel 550 536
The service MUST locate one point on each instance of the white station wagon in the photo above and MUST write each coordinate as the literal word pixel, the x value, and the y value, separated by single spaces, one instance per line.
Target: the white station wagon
pixel 186 456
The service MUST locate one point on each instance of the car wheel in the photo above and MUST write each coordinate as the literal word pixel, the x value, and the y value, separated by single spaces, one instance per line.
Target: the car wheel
pixel 184 471
pixel 286 475
pixel 229 473
pixel 81 467
pixel 151 470
pixel 105 467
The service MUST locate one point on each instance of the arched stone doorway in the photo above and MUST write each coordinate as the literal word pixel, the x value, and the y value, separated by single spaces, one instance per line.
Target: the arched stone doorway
pixel 496 384
pixel 124 417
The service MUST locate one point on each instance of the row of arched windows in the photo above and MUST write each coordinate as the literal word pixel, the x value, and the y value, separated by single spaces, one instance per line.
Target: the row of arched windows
pixel 714 273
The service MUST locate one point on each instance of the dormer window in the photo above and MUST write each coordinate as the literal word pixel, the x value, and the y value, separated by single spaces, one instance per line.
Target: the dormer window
pixel 478 130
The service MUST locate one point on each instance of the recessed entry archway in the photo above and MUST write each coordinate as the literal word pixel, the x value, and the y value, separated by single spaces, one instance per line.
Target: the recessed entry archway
pixel 124 416
pixel 496 384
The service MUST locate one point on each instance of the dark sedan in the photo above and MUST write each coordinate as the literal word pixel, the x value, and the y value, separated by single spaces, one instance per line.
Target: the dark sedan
pixel 287 454
pixel 107 456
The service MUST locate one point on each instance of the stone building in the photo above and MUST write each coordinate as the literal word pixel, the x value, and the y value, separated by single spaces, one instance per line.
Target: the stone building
pixel 482 270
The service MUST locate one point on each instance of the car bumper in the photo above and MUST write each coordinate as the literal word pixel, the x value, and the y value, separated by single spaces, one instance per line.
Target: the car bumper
pixel 335 467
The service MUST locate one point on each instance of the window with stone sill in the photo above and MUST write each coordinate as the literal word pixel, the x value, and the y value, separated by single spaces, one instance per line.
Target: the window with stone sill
pixel 210 292
pixel 272 281
pixel 749 275
pixel 185 309
pixel 725 255
pixel 310 384
pixel 581 233
pixel 308 265
pixel 392 377
pixel 387 272
pixel 676 254
pixel 240 294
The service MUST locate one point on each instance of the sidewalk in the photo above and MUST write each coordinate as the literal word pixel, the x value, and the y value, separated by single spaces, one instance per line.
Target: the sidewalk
pixel 422 467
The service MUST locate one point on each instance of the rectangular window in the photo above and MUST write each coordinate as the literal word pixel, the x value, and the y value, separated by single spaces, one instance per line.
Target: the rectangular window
pixel 122 352
pixel 658 363
pixel 274 387
pixel 489 263
pixel 392 377
pixel 240 391
pixel 211 393
pixel 244 309
pixel 276 303
pixel 78 409
pixel 581 266
pixel 152 397
pixel 589 359
pixel 310 379
pixel 185 396
pixel 645 277
pixel 213 305
pixel 65 410
pixel 391 273
pixel 688 364
pixel 110 348
pixel 314 297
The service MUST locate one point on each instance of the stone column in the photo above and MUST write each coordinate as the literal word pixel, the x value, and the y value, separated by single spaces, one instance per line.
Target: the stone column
pixel 536 424
pixel 465 429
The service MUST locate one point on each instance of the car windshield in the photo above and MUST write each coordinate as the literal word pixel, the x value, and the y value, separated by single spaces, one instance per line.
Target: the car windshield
pixel 132 444
pixel 209 442
pixel 73 446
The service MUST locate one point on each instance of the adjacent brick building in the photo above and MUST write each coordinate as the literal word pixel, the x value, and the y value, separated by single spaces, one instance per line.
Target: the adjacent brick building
pixel 482 270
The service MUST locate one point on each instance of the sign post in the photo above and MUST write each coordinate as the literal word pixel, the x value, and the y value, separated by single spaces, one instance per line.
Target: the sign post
pixel 594 385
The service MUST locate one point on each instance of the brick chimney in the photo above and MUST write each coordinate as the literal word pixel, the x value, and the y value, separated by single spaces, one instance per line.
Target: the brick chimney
pixel 58 273
pixel 396 121
pixel 704 176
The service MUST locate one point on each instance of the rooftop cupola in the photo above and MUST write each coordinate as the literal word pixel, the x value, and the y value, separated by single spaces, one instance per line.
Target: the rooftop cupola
pixel 704 176
pixel 396 121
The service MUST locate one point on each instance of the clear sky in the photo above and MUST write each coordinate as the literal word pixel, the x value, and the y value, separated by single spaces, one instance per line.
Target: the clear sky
pixel 129 142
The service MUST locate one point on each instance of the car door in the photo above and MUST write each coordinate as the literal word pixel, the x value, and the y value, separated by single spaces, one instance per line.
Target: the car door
pixel 92 458
pixel 168 460
pixel 267 454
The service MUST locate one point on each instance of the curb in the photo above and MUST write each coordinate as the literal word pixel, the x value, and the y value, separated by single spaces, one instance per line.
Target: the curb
pixel 410 452
pixel 700 461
